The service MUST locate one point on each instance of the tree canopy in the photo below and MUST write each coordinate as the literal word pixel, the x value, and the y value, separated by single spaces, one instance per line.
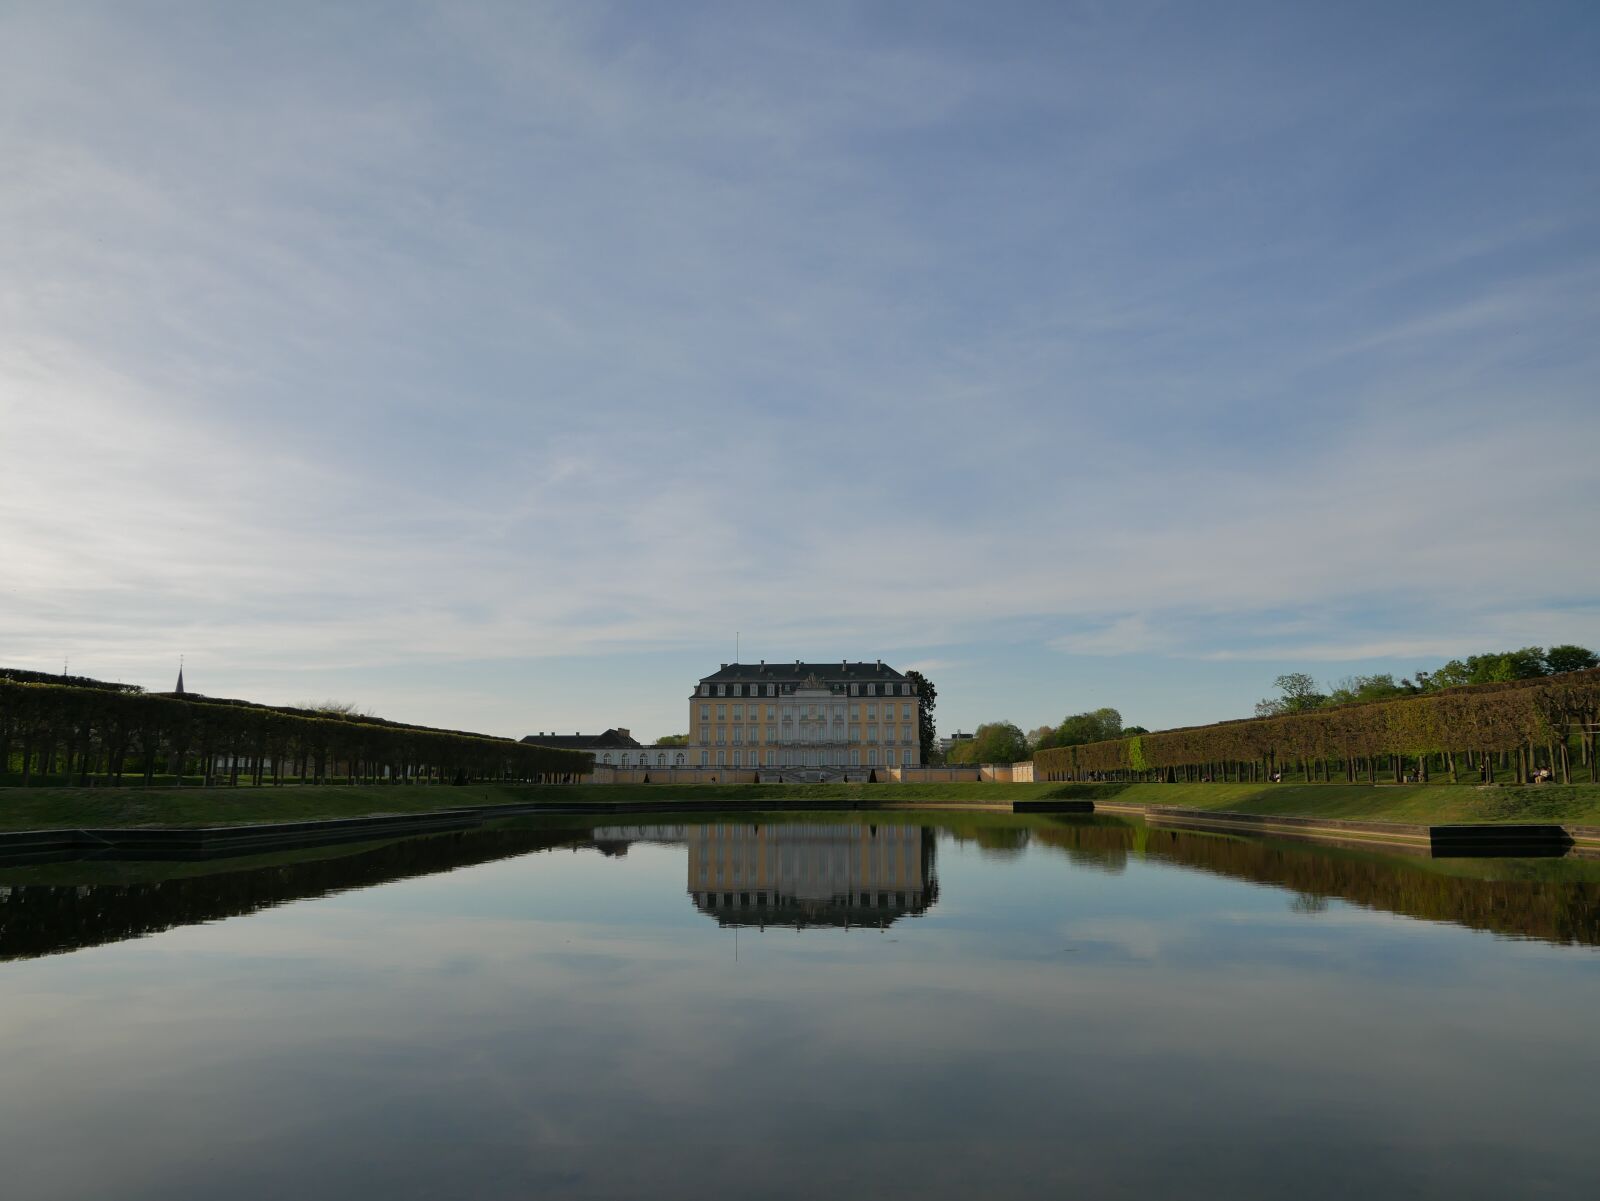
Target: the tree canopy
pixel 1300 693
pixel 927 698
pixel 992 742
pixel 1096 725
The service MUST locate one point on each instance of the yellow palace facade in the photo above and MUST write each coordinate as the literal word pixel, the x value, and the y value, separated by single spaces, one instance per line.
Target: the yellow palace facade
pixel 804 715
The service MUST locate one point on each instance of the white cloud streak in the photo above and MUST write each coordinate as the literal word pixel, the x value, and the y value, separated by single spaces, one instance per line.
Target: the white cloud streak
pixel 522 333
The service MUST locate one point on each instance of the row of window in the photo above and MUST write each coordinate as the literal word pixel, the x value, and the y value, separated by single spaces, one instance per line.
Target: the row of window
pixel 753 758
pixel 625 759
pixel 748 899
pixel 807 733
pixel 772 689
pixel 811 712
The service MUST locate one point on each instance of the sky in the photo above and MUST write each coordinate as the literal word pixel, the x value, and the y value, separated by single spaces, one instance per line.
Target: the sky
pixel 497 366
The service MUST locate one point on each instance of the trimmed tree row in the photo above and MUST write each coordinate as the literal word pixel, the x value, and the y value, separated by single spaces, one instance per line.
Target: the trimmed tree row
pixel 94 734
pixel 1522 726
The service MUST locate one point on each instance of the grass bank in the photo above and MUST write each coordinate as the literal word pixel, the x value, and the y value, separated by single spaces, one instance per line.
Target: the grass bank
pixel 46 808
pixel 1423 803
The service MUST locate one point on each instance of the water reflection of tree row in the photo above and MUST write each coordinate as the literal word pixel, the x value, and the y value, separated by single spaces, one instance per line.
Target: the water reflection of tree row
pixel 1559 912
pixel 44 919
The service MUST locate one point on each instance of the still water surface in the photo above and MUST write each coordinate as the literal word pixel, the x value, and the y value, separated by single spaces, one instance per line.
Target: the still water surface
pixel 922 1007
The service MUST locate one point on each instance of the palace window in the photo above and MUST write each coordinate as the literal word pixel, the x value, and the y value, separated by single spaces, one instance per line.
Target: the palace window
pixel 722 713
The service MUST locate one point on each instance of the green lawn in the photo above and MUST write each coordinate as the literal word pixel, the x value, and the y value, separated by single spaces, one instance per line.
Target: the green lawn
pixel 44 808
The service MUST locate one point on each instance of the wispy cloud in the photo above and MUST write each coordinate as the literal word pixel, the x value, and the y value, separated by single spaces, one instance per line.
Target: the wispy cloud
pixel 547 335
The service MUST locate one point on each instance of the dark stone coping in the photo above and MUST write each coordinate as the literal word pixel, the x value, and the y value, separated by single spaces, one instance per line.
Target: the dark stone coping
pixel 1056 805
pixel 207 842
pixel 1484 839
pixel 179 842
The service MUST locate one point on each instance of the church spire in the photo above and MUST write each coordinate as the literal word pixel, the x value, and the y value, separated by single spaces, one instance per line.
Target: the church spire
pixel 179 688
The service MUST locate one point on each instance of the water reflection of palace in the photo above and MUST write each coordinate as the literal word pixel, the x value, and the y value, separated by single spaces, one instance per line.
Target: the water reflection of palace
pixel 803 874
pixel 800 873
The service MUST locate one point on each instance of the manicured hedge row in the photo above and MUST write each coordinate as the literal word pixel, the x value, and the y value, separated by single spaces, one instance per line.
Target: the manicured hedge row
pixel 1527 723
pixel 18 675
pixel 91 734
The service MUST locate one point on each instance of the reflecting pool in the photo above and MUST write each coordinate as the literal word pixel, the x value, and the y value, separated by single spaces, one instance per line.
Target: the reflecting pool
pixel 922 1005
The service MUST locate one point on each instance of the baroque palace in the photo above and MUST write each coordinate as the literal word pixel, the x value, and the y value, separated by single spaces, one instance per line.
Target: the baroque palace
pixel 810 715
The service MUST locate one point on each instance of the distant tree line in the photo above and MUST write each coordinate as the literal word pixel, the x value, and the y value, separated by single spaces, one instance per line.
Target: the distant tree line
pixel 1299 692
pixel 1004 741
pixel 96 734
pixel 1518 725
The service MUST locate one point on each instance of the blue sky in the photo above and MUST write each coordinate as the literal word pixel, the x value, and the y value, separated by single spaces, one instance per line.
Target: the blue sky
pixel 491 365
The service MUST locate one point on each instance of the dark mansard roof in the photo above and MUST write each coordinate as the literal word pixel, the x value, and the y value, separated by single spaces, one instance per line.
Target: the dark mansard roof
pixel 614 739
pixel 835 671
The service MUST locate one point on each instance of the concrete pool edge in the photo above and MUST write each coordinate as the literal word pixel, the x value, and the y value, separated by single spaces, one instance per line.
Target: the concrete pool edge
pixel 1453 839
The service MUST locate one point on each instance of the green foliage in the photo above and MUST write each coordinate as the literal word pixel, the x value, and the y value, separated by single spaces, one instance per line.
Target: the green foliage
pixel 1560 659
pixel 673 740
pixel 1299 693
pixel 1354 690
pixel 1501 667
pixel 1095 725
pixel 992 742
pixel 103 732
pixel 1042 738
pixel 1000 742
pixel 1136 759
pixel 1503 717
pixel 19 676
pixel 927 699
